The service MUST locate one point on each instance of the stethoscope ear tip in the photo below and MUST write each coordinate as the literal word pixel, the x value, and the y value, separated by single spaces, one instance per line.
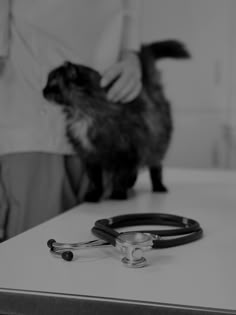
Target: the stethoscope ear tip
pixel 50 243
pixel 68 255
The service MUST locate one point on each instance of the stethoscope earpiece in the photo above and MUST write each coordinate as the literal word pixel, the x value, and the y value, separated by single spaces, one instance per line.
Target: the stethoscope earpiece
pixel 50 243
pixel 68 255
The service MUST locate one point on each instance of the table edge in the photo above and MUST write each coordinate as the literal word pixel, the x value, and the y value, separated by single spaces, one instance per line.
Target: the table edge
pixel 39 302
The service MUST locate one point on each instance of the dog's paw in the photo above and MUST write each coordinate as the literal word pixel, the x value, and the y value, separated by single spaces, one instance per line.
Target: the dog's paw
pixel 119 195
pixel 92 196
pixel 160 188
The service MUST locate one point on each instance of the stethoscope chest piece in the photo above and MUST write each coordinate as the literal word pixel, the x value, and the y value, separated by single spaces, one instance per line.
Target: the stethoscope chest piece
pixel 132 246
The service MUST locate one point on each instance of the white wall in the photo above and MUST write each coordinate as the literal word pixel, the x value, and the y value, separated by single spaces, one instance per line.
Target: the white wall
pixel 198 88
pixel 230 123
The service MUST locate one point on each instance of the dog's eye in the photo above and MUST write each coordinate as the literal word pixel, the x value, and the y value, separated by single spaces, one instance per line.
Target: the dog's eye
pixel 53 83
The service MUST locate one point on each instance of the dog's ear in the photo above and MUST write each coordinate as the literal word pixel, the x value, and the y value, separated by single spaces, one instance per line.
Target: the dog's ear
pixel 71 70
pixel 68 64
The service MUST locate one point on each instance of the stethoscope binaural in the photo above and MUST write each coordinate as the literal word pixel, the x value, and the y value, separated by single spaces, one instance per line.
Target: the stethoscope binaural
pixel 133 244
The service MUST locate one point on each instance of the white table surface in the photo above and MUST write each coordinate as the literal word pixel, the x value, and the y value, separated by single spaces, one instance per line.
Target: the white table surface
pixel 201 274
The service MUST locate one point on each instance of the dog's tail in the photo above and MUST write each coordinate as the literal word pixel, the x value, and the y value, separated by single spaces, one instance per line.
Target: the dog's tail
pixel 169 49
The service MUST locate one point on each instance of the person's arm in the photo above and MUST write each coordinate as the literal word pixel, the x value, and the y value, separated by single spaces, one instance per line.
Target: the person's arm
pixel 131 37
pixel 127 70
pixel 4 30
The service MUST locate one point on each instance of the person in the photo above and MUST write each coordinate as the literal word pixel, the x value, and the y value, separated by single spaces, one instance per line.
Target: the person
pixel 40 176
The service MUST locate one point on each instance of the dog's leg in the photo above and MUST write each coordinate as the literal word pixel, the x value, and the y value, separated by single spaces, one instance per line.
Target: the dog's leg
pixel 131 179
pixel 123 180
pixel 95 191
pixel 156 179
pixel 119 195
pixel 119 189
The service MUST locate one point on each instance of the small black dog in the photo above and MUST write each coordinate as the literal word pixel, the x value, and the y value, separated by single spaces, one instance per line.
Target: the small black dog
pixel 114 138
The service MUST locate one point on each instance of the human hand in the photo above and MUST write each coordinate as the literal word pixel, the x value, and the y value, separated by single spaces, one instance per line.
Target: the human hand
pixel 126 75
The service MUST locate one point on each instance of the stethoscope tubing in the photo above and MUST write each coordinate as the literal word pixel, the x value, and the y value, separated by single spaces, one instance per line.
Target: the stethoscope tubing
pixel 189 229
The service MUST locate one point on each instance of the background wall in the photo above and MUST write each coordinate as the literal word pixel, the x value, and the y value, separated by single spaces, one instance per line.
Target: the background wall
pixel 200 89
pixel 230 126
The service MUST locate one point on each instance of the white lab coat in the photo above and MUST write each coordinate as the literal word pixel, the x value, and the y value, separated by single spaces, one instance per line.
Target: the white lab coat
pixel 36 36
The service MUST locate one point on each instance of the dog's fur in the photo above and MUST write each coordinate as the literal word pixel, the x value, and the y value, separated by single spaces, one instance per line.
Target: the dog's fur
pixel 117 138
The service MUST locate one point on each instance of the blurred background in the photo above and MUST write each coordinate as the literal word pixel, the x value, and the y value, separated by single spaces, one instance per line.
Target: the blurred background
pixel 202 90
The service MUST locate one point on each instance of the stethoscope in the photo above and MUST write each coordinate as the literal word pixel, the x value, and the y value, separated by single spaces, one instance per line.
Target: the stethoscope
pixel 133 244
